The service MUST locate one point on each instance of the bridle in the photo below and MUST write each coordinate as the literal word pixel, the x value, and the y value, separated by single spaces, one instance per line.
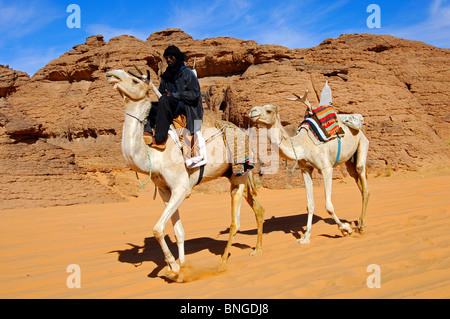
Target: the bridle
pixel 135 117
pixel 142 77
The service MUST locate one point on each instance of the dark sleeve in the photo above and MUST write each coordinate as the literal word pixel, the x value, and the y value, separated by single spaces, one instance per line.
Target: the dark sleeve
pixel 162 87
pixel 188 88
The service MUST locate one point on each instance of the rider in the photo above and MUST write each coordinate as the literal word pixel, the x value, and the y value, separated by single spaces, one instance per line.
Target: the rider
pixel 181 94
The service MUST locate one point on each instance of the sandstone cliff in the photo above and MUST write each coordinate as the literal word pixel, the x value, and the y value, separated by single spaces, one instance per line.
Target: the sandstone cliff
pixel 60 130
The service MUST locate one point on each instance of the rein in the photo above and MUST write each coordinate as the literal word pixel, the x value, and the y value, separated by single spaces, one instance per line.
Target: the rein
pixel 295 154
pixel 140 121
pixel 221 130
pixel 150 169
pixel 339 150
pixel 296 158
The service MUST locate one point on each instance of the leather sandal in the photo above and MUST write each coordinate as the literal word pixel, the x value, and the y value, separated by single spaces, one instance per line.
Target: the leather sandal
pixel 158 146
pixel 148 138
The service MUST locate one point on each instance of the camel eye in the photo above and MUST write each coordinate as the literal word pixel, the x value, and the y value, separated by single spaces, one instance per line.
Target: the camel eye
pixel 269 111
pixel 135 81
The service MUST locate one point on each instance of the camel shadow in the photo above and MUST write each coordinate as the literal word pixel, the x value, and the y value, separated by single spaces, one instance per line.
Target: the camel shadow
pixel 293 224
pixel 151 251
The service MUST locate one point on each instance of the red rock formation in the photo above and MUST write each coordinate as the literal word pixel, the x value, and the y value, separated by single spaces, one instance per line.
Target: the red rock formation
pixel 60 130
pixel 10 80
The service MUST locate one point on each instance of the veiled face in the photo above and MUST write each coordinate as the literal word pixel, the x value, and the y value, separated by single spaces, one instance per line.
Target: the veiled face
pixel 171 60
pixel 265 115
pixel 127 85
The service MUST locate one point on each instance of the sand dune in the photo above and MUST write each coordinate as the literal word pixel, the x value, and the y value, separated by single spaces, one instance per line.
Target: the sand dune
pixel 113 245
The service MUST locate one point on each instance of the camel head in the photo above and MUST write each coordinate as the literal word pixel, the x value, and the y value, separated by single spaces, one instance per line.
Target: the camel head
pixel 266 115
pixel 130 86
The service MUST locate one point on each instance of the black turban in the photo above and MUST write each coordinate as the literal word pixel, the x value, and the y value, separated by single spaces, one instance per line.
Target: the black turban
pixel 172 71
pixel 173 50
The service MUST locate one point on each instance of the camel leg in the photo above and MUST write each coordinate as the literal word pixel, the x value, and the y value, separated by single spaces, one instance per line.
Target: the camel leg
pixel 236 198
pixel 179 235
pixel 250 196
pixel 259 215
pixel 362 185
pixel 327 174
pixel 307 177
pixel 172 205
pixel 177 225
pixel 361 170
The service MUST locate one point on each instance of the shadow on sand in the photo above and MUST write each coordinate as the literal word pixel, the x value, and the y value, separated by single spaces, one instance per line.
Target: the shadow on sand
pixel 151 250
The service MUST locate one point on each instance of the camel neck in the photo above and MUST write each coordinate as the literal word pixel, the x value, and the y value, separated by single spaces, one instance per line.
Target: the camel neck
pixel 133 147
pixel 138 109
pixel 285 143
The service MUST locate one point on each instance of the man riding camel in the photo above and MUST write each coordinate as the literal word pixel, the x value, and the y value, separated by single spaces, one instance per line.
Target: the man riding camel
pixel 181 94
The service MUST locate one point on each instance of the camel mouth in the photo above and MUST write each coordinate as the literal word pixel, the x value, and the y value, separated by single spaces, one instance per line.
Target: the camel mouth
pixel 112 78
pixel 254 116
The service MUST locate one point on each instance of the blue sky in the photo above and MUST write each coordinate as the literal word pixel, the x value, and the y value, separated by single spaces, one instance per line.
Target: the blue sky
pixel 34 32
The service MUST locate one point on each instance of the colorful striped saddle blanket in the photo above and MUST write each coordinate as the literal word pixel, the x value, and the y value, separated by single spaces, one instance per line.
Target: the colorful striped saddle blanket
pixel 323 123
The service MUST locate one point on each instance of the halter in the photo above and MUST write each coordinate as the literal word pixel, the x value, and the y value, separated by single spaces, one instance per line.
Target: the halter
pixel 142 77
pixel 140 121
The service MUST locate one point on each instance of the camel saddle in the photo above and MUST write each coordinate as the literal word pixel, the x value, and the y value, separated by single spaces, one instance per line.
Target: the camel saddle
pixel 322 124
pixel 238 147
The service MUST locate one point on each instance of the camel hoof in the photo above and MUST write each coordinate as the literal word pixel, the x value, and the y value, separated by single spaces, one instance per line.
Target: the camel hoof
pixel 303 241
pixel 176 276
pixel 172 275
pixel 346 229
pixel 221 267
pixel 180 278
pixel 256 252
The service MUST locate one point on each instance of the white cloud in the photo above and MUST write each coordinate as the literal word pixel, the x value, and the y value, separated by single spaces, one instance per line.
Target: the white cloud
pixel 270 23
pixel 30 60
pixel 291 24
pixel 20 18
pixel 440 14
pixel 18 21
pixel 435 29
pixel 209 18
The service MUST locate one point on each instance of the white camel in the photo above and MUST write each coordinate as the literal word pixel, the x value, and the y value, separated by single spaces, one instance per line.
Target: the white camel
pixel 300 148
pixel 169 173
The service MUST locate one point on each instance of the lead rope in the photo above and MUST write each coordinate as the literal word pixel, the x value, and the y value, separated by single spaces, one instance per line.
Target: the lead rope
pixel 296 159
pixel 150 169
pixel 339 150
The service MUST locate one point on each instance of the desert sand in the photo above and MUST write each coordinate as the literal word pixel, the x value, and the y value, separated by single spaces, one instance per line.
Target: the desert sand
pixel 113 245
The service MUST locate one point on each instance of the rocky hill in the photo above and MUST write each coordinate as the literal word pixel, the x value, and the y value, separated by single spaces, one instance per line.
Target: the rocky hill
pixel 60 130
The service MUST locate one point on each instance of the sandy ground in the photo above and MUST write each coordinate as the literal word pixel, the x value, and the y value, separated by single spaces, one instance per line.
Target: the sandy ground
pixel 407 237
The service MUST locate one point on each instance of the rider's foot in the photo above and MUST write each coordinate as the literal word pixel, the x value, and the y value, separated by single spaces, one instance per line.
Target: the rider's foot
pixel 148 138
pixel 159 146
